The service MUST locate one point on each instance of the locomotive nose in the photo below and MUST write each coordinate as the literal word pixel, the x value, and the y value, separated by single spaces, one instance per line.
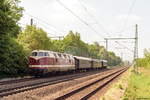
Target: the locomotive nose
pixel 33 61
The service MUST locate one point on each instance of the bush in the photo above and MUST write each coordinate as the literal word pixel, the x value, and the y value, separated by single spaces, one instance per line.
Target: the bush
pixel 12 58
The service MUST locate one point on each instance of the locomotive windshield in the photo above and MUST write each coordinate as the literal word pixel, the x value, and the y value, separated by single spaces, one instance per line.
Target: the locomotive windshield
pixel 34 53
pixel 40 54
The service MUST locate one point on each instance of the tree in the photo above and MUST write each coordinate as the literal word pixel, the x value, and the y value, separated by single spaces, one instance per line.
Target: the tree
pixel 12 58
pixel 144 62
pixel 33 38
pixel 73 44
pixel 10 14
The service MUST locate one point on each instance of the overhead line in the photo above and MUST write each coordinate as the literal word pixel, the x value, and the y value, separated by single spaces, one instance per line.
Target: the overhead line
pixel 85 8
pixel 129 12
pixel 124 46
pixel 84 22
pixel 102 26
pixel 72 12
pixel 54 28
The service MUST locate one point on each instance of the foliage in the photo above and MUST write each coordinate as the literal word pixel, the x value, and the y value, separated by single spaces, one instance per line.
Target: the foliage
pixel 12 60
pixel 10 14
pixel 139 86
pixel 33 38
pixel 74 45
pixel 144 62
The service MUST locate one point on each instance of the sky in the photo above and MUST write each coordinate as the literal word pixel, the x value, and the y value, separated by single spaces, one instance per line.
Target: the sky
pixel 94 20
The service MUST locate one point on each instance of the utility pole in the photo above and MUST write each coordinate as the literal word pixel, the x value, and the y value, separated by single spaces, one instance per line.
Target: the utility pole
pixel 31 22
pixel 106 48
pixel 136 48
pixel 122 56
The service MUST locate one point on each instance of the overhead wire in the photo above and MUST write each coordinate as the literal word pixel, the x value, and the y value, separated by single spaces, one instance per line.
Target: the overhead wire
pixel 100 25
pixel 92 17
pixel 124 46
pixel 44 22
pixel 80 19
pixel 129 13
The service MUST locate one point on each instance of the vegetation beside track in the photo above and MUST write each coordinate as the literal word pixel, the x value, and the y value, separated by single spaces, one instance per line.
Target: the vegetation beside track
pixel 139 85
pixel 145 61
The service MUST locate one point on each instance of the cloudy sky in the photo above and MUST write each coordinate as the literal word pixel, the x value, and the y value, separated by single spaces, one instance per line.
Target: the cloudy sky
pixel 94 20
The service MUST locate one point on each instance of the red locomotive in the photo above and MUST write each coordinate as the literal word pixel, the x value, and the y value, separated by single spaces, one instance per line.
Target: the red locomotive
pixel 42 62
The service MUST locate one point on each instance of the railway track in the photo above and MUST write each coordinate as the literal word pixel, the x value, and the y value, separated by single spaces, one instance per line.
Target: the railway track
pixel 20 86
pixel 16 80
pixel 87 91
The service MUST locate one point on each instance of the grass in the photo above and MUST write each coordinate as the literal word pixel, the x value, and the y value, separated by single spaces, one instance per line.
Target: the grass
pixel 139 86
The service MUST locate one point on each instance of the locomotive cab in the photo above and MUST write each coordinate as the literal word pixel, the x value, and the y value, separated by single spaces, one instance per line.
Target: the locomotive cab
pixel 37 62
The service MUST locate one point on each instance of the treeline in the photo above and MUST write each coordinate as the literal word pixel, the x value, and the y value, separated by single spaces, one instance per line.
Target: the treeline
pixel 35 38
pixel 16 44
pixel 144 62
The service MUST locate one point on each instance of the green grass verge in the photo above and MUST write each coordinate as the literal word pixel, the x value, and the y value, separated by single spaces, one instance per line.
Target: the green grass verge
pixel 139 86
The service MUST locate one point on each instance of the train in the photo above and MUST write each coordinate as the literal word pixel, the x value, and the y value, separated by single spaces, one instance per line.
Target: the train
pixel 43 61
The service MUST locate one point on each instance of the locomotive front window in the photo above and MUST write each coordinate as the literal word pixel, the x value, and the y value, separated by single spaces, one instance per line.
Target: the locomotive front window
pixel 34 53
pixel 40 54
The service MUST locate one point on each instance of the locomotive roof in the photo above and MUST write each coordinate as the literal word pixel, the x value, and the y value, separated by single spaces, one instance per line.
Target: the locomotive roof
pixel 78 57
pixel 50 52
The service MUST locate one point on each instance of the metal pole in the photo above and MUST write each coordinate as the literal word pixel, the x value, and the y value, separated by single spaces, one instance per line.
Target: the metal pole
pixel 31 22
pixel 136 48
pixel 106 48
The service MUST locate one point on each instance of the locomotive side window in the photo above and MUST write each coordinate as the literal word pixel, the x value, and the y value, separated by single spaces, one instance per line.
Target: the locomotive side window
pixel 59 55
pixel 65 56
pixel 55 55
pixel 68 57
pixel 62 56
pixel 46 54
